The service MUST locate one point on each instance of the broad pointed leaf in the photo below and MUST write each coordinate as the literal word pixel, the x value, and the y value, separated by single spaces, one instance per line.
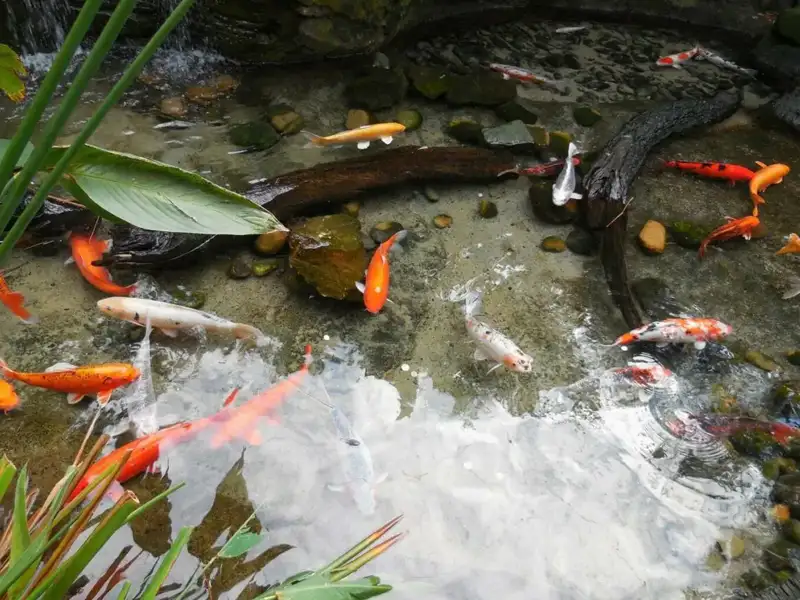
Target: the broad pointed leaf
pixel 318 587
pixel 26 152
pixel 7 472
pixel 160 197
pixel 240 543
pixel 11 73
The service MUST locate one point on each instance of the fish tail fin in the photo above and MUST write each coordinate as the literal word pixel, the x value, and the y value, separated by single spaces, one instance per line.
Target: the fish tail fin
pixel 398 237
pixel 244 331
pixel 14 301
pixel 794 290
pixel 473 303
pixel 5 370
pixel 312 139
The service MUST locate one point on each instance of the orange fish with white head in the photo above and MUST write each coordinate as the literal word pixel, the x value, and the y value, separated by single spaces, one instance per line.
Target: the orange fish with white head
pixel 732 229
pixel 376 283
pixel 792 245
pixel 765 177
pixel 85 251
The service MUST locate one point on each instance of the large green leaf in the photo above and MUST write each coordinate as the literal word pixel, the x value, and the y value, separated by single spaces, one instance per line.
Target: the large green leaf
pixel 242 541
pixel 11 73
pixel 160 197
pixel 319 587
pixel 7 472
pixel 26 152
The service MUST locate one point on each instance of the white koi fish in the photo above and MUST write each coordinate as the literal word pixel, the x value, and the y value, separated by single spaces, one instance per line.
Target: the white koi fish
pixel 520 74
pixel 564 187
pixel 716 59
pixel 493 345
pixel 170 318
pixel 697 331
pixel 572 29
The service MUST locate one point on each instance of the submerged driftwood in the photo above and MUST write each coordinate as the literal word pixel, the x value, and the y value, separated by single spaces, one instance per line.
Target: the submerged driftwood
pixel 607 185
pixel 320 186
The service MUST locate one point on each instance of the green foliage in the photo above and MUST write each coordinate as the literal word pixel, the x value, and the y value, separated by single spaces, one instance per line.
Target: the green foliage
pixel 12 73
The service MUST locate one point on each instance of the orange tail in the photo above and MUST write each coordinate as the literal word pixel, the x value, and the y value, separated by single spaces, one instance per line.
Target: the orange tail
pixel 14 301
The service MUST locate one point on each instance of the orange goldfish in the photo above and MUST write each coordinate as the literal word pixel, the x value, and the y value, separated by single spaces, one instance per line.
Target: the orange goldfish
pixel 376 286
pixel 765 177
pixel 13 301
pixel 85 251
pixel 792 245
pixel 77 382
pixel 732 229
pixel 361 136
pixel 8 397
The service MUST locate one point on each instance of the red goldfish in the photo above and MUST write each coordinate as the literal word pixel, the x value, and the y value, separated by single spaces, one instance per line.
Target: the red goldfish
pixel 8 397
pixel 721 425
pixel 77 382
pixel 715 170
pixel 376 286
pixel 85 251
pixel 13 301
pixel 734 228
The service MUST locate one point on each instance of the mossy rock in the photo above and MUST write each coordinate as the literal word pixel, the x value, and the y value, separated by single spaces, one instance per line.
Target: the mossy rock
pixel 788 24
pixel 582 242
pixel 480 89
pixel 787 491
pixel 758 444
pixel 256 134
pixel 466 131
pixel 351 208
pixel 487 209
pixel 689 234
pixel 715 561
pixel 553 243
pixel 586 116
pixel 540 135
pixel 793 356
pixel 285 119
pixel 791 529
pixel 780 555
pixel 262 268
pixel 559 143
pixel 518 109
pixel 185 297
pixel 430 82
pixel 410 118
pixel 377 89
pixel 761 360
pixel 328 253
pixel 240 268
pixel 540 196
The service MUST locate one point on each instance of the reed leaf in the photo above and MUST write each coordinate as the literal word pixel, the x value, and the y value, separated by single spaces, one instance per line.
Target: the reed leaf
pixel 166 564
pixel 7 472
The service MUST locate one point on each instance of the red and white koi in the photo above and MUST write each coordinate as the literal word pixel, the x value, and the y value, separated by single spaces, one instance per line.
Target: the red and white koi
pixel 645 375
pixel 520 74
pixel 676 60
pixel 493 345
pixel 697 331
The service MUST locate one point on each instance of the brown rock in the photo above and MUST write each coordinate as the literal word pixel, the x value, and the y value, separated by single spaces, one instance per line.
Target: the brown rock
pixel 174 107
pixel 224 83
pixel 357 118
pixel 271 243
pixel 653 237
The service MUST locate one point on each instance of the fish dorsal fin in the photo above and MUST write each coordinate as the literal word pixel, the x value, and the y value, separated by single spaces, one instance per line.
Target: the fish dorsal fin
pixel 60 366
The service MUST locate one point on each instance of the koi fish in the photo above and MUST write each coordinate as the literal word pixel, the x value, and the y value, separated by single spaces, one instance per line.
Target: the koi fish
pixel 714 170
pixel 376 283
pixel 520 74
pixel 676 60
pixel 734 228
pixel 716 59
pixel 792 245
pixel 85 251
pixel 549 169
pixel 77 382
pixel 170 318
pixel 493 345
pixel 644 375
pixel 361 136
pixel 697 331
pixel 564 187
pixel 572 29
pixel 8 397
pixel 765 177
pixel 725 426
pixel 14 302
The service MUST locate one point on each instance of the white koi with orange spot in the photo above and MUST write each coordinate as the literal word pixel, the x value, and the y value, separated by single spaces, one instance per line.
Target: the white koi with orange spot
pixel 676 60
pixel 493 345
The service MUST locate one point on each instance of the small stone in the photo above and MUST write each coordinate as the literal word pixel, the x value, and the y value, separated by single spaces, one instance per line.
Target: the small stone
pixel 793 356
pixel 263 268
pixel 781 554
pixel 518 109
pixel 430 82
pixel 377 89
pixel 586 116
pixel 466 131
pixel 442 221
pixel 513 136
pixel 559 143
pixel 715 561
pixel 383 230
pixel 571 61
pixel 540 196
pixel 351 208
pixel 257 135
pixel 201 94
pixel 284 119
pixel 180 295
pixel 270 243
pixel 761 360
pixel 357 118
pixel 174 107
pixel 553 243
pixel 771 470
pixel 481 89
pixel 540 135
pixel 240 268
pixel 689 234
pixel 487 209
pixel 412 119
pixel 781 513
pixel 224 83
pixel 555 60
pixel 792 530
pixel 653 237
pixel 580 241
pixel 431 194
pixel 788 24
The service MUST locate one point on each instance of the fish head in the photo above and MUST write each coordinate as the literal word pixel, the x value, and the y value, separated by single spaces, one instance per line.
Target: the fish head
pixel 721 329
pixel 518 362
pixel 113 307
pixel 561 196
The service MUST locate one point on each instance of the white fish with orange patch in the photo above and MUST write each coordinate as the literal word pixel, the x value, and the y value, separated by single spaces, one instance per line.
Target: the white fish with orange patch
pixel 697 331
pixel 493 345
pixel 676 60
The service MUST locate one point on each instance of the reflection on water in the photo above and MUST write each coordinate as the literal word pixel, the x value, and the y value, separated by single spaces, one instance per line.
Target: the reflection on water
pixel 577 504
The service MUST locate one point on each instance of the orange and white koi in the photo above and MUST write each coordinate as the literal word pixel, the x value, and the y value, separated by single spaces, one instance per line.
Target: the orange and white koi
pixel 77 382
pixel 361 136
pixel 644 375
pixel 8 397
pixel 493 345
pixel 765 177
pixel 792 245
pixel 376 283
pixel 14 302
pixel 732 229
pixel 520 74
pixel 697 331
pixel 676 60
pixel 85 251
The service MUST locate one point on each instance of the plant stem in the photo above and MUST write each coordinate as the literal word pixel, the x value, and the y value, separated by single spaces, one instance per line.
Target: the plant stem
pixel 34 112
pixel 113 97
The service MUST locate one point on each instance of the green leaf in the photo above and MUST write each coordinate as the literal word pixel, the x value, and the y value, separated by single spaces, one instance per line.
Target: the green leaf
pixel 20 536
pixel 26 152
pixel 165 566
pixel 318 587
pixel 160 197
pixel 240 543
pixel 123 593
pixel 7 472
pixel 11 73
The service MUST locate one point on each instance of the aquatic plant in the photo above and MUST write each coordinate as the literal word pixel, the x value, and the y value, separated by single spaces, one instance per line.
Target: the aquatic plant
pixel 166 198
pixel 12 71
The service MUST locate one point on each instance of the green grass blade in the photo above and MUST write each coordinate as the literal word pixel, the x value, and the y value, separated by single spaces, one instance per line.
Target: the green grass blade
pixel 20 535
pixel 354 565
pixel 37 107
pixel 123 593
pixel 166 564
pixel 7 472
pixel 112 98
pixel 361 546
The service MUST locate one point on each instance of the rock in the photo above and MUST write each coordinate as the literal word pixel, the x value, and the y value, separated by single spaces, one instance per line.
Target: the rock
pixel 756 580
pixel 270 243
pixel 412 119
pixel 540 196
pixel 781 513
pixel 785 396
pixel 487 209
pixel 173 107
pixel 580 241
pixel 689 234
pixel 757 444
pixel 328 253
pixel 382 231
pixel 555 60
pixel 430 82
pixel 377 89
pixel 518 109
pixel 761 360
pixel 184 297
pixel 431 194
pixel 442 221
pixel 715 561
pixel 351 208
pixel 653 237
pixel 382 61
pixel 240 268
pixel 202 94
pixel 571 61
pixel 559 143
pixel 776 467
pixel 792 530
pixel 513 137
pixel 553 243
pixel 793 356
pixel 788 24
pixel 787 491
pixel 781 554
pixel 540 135
pixel 481 88
pixel 358 118
pixel 656 298
pixel 466 131
pixel 263 268
pixel 257 135
pixel 224 84
pixel 586 116
pixel 285 119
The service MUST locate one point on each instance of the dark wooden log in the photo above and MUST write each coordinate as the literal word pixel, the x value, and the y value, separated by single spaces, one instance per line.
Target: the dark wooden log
pixel 607 185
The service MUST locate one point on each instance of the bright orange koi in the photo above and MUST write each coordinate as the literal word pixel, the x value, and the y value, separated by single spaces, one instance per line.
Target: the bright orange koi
pixel 85 251
pixel 376 286
pixel 732 229
pixel 361 136
pixel 8 397
pixel 13 301
pixel 765 177
pixel 792 246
